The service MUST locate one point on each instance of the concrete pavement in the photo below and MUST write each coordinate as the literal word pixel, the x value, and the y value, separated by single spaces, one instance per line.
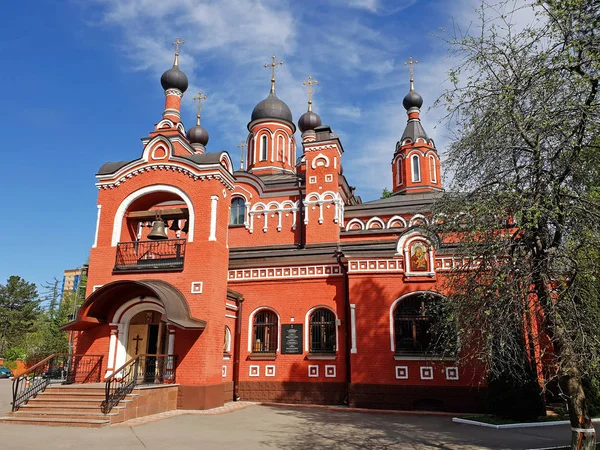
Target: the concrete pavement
pixel 269 427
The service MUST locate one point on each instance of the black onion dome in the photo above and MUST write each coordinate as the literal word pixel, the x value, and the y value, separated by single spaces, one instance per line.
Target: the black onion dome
pixel 309 121
pixel 174 78
pixel 412 100
pixel 272 108
pixel 198 135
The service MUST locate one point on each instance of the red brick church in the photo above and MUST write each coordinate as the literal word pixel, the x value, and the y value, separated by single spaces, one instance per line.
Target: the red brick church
pixel 271 281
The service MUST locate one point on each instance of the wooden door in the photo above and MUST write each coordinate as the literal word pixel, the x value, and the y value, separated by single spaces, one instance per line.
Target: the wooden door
pixel 137 341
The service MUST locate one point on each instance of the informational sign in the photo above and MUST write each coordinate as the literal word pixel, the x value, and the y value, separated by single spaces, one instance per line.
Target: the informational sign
pixel 292 339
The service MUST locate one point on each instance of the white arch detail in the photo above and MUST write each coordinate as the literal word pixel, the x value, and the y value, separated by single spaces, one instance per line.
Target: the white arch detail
pixel 320 157
pixel 375 220
pixel 394 219
pixel 251 326
pixel 393 307
pixel 414 218
pixel 354 221
pixel 118 220
pixel 307 326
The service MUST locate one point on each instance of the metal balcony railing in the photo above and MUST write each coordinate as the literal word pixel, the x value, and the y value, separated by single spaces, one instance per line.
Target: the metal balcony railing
pixel 150 255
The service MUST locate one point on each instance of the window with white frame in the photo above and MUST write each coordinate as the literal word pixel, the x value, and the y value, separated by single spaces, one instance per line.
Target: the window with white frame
pixel 280 148
pixel 432 169
pixel 263 148
pixel 322 337
pixel 264 332
pixel 227 343
pixel 238 211
pixel 399 171
pixel 416 168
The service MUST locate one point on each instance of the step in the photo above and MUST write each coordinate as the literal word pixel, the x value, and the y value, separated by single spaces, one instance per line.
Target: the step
pixel 64 415
pixel 63 402
pixel 73 395
pixel 79 388
pixel 77 409
pixel 56 422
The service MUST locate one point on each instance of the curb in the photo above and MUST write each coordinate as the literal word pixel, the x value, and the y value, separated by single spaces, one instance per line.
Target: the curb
pixel 359 410
pixel 514 425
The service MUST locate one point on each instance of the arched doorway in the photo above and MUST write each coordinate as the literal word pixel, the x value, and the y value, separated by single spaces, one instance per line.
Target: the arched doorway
pixel 146 334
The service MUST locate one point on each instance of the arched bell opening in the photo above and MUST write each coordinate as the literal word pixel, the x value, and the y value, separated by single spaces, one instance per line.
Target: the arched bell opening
pixel 155 227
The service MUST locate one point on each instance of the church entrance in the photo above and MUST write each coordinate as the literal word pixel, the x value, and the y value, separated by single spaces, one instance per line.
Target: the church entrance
pixel 146 336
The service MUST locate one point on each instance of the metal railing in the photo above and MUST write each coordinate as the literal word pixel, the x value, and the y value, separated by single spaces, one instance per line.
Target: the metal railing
pixel 150 255
pixel 59 368
pixel 143 369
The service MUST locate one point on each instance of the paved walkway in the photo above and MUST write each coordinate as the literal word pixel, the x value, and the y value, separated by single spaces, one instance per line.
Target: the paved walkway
pixel 248 426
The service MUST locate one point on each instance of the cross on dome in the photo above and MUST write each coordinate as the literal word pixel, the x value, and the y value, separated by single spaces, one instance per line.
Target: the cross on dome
pixel 176 44
pixel 411 70
pixel 199 99
pixel 242 145
pixel 310 90
pixel 273 65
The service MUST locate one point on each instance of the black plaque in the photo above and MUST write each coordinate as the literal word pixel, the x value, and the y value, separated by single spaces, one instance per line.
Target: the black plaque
pixel 292 339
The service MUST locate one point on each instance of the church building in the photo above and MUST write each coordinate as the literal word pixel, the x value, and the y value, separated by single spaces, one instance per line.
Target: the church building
pixel 271 281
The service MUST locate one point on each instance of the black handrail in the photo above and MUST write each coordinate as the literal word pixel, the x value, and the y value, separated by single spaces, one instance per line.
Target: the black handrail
pixel 143 369
pixel 59 368
pixel 144 255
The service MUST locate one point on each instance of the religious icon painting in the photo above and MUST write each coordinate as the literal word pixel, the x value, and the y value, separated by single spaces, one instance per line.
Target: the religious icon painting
pixel 419 260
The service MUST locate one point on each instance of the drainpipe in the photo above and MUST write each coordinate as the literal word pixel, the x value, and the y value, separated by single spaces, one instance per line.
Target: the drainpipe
pixel 348 330
pixel 236 351
pixel 301 211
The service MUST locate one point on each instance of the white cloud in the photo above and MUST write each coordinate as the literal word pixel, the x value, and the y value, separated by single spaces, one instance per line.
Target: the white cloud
pixel 346 111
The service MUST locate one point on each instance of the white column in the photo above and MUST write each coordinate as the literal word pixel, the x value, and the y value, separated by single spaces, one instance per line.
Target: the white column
pixel 213 218
pixel 112 350
pixel 171 341
pixel 353 327
pixel 97 227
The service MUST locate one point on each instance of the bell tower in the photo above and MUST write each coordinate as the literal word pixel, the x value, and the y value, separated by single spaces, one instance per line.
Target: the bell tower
pixel 416 164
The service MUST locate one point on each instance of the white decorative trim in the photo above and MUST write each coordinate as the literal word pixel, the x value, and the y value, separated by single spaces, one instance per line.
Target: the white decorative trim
pixel 313 371
pixel 213 218
pixel 396 219
pixel 330 372
pixel 96 287
pixel 230 316
pixel 269 371
pixel 315 199
pixel 413 220
pixel 285 273
pixel 97 226
pixel 312 179
pixel 283 209
pixel 118 220
pixel 224 371
pixel 254 371
pixel 251 326
pixel 161 147
pixel 328 178
pixel 174 91
pixel 373 220
pixel 167 122
pixel 227 344
pixel 426 372
pixel 307 326
pixel 196 287
pixel 403 248
pixel 353 222
pixel 316 161
pixel 375 266
pixel 401 372
pixel 452 373
pixel 231 307
pixel 353 327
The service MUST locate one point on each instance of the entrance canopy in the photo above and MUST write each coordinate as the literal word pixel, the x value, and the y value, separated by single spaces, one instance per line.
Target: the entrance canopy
pixel 100 303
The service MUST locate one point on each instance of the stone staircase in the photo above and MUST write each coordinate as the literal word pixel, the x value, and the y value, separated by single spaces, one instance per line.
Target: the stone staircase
pixel 69 405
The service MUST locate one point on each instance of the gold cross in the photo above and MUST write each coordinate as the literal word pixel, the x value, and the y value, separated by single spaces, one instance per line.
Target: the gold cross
pixel 177 43
pixel 309 83
pixel 411 71
pixel 199 98
pixel 242 146
pixel 273 64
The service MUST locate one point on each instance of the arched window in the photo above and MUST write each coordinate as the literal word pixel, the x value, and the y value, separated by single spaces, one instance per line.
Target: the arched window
pixel 227 343
pixel 399 171
pixel 416 169
pixel 432 171
pixel 322 331
pixel 238 211
pixel 263 148
pixel 280 148
pixel 265 332
pixel 412 323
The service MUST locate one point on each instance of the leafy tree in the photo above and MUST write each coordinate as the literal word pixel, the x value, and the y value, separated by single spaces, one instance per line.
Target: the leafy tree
pixel 386 193
pixel 524 203
pixel 19 309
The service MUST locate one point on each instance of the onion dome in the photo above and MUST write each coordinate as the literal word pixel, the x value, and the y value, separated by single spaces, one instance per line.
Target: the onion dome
pixel 309 121
pixel 174 78
pixel 412 100
pixel 198 134
pixel 272 108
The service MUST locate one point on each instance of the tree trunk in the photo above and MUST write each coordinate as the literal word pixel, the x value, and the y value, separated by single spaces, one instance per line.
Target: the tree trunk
pixel 583 435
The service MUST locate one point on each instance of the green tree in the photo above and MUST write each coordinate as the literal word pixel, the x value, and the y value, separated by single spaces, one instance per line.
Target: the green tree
pixel 524 199
pixel 19 309
pixel 386 193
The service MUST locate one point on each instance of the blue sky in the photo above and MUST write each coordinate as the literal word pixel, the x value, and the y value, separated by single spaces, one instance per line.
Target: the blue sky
pixel 80 86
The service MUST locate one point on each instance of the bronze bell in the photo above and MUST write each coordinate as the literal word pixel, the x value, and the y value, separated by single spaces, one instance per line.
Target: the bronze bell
pixel 175 225
pixel 186 227
pixel 158 231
